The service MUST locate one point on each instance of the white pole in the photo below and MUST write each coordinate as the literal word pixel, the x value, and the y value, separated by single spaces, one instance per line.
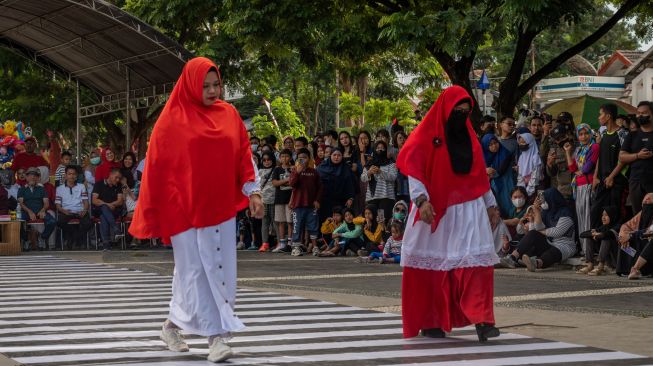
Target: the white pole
pixel 78 126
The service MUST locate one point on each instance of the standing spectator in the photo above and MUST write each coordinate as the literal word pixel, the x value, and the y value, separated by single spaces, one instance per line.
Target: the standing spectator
pixel 66 157
pixel 282 212
pixel 29 158
pixel 107 205
pixel 398 140
pixel 382 135
pixel 506 135
pixel 289 143
pixel 306 193
pixel 364 143
pixel 104 169
pixel 319 155
pixel 582 164
pixel 268 163
pixel 337 184
pixel 300 143
pixel 380 173
pixel 529 165
pixel 609 181
pixel 34 202
pixel 72 204
pixel 536 127
pixel 556 163
pixel 401 189
pixel 498 162
pixel 637 151
pixel 331 138
pixel 53 151
pixel 349 153
pixel 488 125
pixel 623 122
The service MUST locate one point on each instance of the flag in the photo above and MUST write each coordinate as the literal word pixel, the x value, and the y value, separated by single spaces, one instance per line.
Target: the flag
pixel 484 82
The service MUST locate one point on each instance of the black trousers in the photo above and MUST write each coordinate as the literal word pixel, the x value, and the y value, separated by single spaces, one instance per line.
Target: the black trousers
pixel 637 193
pixel 534 244
pixel 604 197
pixel 75 233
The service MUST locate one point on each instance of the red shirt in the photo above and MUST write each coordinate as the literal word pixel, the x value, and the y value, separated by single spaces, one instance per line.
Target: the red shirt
pixel 26 160
pixel 306 188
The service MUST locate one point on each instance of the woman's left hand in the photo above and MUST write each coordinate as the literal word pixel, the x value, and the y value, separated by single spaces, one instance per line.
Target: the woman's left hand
pixel 256 206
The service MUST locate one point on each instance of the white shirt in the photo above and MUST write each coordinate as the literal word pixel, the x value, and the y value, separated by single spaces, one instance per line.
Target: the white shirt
pixel 71 199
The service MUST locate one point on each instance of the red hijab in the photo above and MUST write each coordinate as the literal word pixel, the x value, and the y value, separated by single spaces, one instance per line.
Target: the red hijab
pixel 198 160
pixel 104 169
pixel 425 157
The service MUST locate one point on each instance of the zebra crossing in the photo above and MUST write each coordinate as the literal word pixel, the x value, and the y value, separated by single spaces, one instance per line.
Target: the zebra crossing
pixel 56 311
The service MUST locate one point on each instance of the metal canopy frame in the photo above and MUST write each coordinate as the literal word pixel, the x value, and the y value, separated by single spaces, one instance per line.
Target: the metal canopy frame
pixel 126 62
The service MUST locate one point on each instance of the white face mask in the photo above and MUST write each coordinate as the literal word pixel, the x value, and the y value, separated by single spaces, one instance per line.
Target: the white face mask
pixel 545 206
pixel 519 202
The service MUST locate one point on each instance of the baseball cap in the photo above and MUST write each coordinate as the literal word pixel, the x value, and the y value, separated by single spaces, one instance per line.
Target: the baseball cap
pixel 33 170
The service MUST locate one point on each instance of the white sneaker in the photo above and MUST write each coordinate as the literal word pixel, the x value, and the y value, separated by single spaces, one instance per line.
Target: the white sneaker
pixel 219 351
pixel 240 245
pixel 278 249
pixel 296 251
pixel 173 339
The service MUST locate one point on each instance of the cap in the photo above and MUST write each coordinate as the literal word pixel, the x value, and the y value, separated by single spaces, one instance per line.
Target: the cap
pixel 565 116
pixel 561 130
pixel 33 170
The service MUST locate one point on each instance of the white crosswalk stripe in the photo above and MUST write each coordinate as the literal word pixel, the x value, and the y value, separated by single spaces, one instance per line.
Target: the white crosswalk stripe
pixel 56 311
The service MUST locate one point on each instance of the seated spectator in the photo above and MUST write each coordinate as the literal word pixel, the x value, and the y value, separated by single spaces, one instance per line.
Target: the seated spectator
pixel 605 238
pixel 305 201
pixel 634 237
pixel 518 197
pixel 328 227
pixel 128 168
pixel 529 164
pixel 7 178
pixel 498 162
pixel 34 202
pixel 391 250
pixel 21 177
pixel 59 174
pixel 372 232
pixel 108 203
pixel 380 173
pixel 346 236
pixel 72 204
pixel 49 188
pixel 550 237
pixel 399 213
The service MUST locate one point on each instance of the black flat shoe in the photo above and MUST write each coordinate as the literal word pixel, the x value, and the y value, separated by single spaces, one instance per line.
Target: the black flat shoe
pixel 433 333
pixel 485 331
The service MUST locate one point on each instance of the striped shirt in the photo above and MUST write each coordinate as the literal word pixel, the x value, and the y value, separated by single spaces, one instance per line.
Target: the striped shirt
pixel 560 236
pixel 385 182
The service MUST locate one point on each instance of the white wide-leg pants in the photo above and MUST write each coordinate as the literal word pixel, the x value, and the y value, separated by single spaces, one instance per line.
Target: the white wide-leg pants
pixel 204 281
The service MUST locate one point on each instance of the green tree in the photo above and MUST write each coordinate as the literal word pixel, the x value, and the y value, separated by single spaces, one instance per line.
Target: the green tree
pixel 350 108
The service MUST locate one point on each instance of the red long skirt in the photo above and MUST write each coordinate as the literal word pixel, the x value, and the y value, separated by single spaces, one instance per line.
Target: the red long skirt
pixel 446 299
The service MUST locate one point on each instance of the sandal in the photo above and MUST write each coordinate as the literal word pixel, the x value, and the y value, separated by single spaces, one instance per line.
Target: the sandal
pixel 585 270
pixel 598 271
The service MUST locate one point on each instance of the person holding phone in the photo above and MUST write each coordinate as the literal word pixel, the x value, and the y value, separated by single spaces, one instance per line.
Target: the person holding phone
pixel 380 173
pixel 305 202
pixel 637 151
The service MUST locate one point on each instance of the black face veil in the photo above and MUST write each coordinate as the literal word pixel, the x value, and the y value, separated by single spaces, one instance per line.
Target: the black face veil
pixel 459 142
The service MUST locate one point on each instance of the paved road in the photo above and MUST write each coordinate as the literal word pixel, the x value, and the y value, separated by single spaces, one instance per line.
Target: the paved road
pixel 72 311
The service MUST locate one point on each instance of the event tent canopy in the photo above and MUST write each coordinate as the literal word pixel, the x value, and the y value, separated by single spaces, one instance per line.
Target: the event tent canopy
pixel 96 44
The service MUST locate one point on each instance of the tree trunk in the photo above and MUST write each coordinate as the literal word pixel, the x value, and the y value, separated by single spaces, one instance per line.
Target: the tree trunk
pixel 458 72
pixel 361 90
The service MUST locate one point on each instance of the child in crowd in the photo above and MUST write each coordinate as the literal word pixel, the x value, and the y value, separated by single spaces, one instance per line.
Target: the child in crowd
pixel 327 229
pixel 606 235
pixel 392 249
pixel 66 158
pixel 349 232
pixel 372 232
pixel 306 192
pixel 268 163
pixel 282 212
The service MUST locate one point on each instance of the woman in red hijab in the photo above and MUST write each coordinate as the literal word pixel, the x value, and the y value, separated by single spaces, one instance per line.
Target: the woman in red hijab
pixel 199 172
pixel 104 169
pixel 448 251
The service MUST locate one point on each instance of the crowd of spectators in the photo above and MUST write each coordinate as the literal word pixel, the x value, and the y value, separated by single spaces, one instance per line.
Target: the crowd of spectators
pixel 563 189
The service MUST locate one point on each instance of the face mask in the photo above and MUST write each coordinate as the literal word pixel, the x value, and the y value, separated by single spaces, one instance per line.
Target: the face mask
pixel 519 202
pixel 96 160
pixel 254 147
pixel 523 147
pixel 458 118
pixel 644 120
pixel 545 206
pixel 399 216
pixel 380 152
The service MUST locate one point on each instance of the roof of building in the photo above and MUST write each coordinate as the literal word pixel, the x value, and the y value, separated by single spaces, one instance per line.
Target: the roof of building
pixel 619 62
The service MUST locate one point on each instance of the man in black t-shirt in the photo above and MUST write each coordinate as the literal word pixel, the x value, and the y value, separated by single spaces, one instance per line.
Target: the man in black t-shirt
pixel 108 205
pixel 637 150
pixel 609 181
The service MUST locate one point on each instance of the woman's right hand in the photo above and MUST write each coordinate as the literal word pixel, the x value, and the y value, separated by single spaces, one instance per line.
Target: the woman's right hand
pixel 490 171
pixel 426 213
